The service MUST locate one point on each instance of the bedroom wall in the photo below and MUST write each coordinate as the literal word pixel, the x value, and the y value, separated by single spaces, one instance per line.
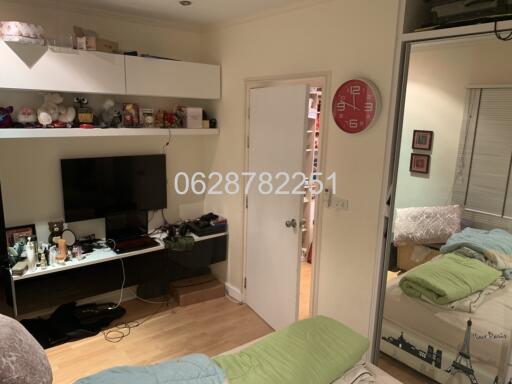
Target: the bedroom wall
pixel 328 37
pixel 438 76
pixel 30 170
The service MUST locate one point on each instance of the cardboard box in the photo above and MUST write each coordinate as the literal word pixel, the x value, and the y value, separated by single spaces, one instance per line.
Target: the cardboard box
pixel 93 43
pixel 193 118
pixel 411 256
pixel 197 290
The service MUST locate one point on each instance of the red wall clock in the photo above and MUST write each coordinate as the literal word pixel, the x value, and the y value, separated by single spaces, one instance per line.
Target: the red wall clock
pixel 356 105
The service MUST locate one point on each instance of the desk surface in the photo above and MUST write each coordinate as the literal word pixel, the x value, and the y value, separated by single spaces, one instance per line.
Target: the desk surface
pixel 101 256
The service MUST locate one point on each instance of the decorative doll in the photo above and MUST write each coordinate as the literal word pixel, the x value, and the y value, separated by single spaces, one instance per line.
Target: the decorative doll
pixel 5 117
pixel 131 115
pixel 27 117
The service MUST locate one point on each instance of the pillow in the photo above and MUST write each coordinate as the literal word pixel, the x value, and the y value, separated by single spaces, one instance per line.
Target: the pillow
pixel 22 359
pixel 427 225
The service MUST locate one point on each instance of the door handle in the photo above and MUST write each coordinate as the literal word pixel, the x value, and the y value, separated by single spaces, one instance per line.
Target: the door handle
pixel 291 223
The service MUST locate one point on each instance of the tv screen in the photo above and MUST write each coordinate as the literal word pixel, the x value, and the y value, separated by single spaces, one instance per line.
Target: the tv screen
pixel 99 187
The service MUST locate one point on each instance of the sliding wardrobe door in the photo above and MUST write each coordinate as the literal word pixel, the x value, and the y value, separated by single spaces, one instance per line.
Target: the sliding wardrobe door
pixel 447 307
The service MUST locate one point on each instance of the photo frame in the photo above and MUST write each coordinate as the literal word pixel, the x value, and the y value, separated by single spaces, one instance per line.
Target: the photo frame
pixel 14 234
pixel 420 163
pixel 422 140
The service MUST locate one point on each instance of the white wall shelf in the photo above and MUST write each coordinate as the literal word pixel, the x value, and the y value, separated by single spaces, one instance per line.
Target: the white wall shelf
pixel 24 133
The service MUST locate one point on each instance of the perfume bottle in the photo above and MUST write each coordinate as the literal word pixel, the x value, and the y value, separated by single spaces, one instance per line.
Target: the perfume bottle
pixel 30 249
pixel 44 265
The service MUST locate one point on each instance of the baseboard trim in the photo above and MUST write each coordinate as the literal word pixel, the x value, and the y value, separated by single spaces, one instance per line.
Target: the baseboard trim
pixel 234 292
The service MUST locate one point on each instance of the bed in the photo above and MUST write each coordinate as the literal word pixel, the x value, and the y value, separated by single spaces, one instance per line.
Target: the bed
pixel 424 324
pixel 319 350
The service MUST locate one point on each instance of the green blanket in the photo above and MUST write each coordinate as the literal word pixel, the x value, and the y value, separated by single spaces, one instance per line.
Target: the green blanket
pixel 448 279
pixel 317 350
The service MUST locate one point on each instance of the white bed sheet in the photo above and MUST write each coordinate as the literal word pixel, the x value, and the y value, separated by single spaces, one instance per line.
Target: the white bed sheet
pixel 491 330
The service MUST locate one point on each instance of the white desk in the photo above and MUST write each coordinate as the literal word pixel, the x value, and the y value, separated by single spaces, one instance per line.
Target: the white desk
pixel 96 257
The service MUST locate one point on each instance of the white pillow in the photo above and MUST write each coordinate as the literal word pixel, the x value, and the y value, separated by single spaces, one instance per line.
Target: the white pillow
pixel 427 225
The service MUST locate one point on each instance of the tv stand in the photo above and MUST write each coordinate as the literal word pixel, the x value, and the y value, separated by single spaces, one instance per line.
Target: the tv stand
pixel 100 272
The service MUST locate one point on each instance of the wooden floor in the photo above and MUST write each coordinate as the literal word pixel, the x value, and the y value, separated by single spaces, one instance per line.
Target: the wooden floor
pixel 305 290
pixel 401 372
pixel 212 327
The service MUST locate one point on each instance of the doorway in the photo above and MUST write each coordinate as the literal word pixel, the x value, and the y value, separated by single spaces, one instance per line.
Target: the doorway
pixel 310 206
pixel 284 131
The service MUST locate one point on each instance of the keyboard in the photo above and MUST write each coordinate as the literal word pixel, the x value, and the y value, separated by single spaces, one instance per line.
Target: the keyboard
pixel 135 244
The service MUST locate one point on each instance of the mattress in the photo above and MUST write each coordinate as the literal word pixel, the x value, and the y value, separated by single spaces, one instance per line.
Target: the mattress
pixel 380 376
pixel 425 324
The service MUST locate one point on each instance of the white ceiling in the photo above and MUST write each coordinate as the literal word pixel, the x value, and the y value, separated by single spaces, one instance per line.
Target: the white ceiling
pixel 201 12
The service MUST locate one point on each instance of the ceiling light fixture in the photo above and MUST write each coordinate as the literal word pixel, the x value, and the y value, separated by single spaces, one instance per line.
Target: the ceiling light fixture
pixel 185 3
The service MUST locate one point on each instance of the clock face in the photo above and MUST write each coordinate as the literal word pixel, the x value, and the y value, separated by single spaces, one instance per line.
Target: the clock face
pixel 355 106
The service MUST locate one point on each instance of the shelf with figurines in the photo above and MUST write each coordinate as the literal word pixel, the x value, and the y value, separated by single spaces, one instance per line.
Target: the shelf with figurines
pixel 54 118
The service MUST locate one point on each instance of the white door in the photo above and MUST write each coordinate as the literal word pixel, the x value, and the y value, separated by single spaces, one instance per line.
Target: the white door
pixel 278 121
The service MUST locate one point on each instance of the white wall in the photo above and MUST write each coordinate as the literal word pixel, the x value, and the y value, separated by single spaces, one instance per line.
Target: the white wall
pixel 30 169
pixel 347 39
pixel 436 91
pixel 146 37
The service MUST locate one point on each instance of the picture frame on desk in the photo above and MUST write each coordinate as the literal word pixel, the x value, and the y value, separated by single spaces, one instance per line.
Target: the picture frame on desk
pixel 15 234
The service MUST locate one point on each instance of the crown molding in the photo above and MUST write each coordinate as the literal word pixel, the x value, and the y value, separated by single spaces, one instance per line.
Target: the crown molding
pixel 109 13
pixel 211 27
pixel 163 22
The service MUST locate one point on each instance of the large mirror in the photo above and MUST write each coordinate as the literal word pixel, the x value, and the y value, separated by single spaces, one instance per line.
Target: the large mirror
pixel 448 301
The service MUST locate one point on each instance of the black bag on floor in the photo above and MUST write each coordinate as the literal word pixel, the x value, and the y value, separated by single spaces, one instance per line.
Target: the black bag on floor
pixel 70 322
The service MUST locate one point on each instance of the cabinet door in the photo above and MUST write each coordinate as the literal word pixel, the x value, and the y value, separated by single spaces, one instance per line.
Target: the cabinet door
pixel 155 77
pixel 41 68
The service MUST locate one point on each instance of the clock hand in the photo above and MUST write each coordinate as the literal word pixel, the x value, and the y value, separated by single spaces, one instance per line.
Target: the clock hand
pixel 354 107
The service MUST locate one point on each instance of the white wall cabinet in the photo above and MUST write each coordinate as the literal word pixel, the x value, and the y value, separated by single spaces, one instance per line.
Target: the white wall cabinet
pixel 44 69
pixel 32 67
pixel 154 77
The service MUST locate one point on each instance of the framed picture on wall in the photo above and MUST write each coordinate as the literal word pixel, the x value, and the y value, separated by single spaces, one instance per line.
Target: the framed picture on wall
pixel 422 140
pixel 420 163
pixel 15 234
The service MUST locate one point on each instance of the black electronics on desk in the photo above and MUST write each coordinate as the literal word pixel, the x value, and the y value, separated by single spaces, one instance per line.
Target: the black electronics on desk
pixel 120 189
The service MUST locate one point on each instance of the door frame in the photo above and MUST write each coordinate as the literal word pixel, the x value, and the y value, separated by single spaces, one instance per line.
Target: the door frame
pixel 319 79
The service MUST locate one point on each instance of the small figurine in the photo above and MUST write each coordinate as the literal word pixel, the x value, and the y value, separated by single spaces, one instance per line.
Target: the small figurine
pixel 110 117
pixel 131 115
pixel 56 228
pixel 169 120
pixel 27 117
pixel 159 119
pixel 5 117
pixel 85 114
pixel 147 118
pixel 66 116
pixel 49 111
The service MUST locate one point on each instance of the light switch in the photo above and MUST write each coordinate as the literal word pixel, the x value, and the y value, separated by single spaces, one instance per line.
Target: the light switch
pixel 339 203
